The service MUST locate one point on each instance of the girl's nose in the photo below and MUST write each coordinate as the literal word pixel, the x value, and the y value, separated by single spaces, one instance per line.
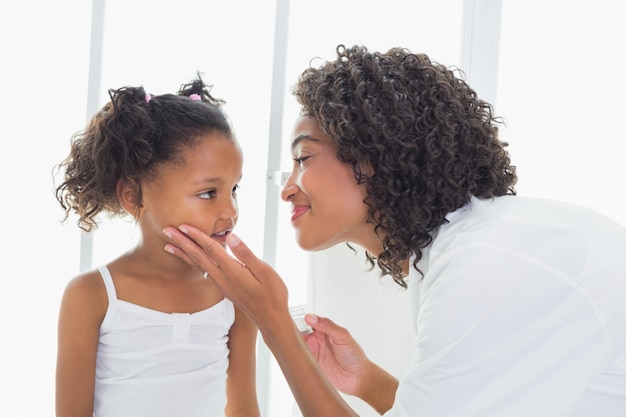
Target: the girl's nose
pixel 231 211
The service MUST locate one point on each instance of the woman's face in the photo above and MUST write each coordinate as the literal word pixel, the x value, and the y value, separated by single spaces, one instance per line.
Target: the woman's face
pixel 200 189
pixel 327 203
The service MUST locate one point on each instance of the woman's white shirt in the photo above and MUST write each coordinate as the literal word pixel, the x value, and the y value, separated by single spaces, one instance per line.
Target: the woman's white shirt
pixel 521 312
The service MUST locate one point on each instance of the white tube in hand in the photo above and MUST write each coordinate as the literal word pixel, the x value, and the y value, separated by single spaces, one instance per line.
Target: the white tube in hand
pixel 297 314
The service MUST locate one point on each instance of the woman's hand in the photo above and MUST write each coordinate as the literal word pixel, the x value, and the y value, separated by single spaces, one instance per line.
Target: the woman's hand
pixel 247 281
pixel 340 356
pixel 347 367
pixel 257 289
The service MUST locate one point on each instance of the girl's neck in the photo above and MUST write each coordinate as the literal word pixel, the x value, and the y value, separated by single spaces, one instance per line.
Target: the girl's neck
pixel 159 264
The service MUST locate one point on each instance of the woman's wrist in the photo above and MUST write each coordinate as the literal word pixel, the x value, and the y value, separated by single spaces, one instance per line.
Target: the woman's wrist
pixel 377 387
pixel 274 323
pixel 315 395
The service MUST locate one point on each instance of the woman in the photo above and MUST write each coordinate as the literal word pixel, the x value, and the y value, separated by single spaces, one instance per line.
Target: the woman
pixel 517 302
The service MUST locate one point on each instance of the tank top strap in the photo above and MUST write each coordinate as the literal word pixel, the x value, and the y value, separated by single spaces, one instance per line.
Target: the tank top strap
pixel 108 283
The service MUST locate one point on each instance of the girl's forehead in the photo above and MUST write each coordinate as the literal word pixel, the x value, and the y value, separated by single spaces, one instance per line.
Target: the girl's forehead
pixel 209 148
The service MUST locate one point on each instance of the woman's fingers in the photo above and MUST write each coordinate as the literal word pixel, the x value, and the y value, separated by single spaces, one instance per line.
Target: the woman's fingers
pixel 196 248
pixel 174 250
pixel 204 245
pixel 242 252
pixel 246 280
pixel 244 258
pixel 324 324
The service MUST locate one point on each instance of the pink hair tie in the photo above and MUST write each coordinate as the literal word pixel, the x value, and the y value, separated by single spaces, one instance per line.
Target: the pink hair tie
pixel 148 98
pixel 195 97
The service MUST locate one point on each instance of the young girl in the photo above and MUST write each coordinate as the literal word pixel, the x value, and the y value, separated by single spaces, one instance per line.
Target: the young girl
pixel 517 303
pixel 147 334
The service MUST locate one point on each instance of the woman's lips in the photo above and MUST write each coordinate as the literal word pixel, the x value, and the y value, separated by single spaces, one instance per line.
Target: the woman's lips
pixel 298 211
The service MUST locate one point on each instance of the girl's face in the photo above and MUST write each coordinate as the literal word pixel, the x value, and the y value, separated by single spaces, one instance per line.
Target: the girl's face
pixel 201 190
pixel 327 203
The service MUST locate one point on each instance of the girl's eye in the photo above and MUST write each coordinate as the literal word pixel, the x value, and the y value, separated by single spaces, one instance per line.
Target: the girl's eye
pixel 235 189
pixel 207 194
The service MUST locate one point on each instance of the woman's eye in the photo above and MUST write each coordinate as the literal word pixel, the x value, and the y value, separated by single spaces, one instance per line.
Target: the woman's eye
pixel 235 189
pixel 300 161
pixel 207 194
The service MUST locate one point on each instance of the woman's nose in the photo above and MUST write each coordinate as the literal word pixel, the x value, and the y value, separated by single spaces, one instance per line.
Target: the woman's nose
pixel 288 191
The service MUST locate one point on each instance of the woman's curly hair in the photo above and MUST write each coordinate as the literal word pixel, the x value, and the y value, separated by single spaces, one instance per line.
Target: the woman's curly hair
pixel 129 139
pixel 416 134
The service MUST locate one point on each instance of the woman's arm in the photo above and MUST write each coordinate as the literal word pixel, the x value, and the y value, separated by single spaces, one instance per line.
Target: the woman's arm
pixel 241 382
pixel 258 290
pixel 315 395
pixel 82 309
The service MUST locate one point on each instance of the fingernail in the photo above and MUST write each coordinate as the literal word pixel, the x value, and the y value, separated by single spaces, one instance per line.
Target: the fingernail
pixel 310 318
pixel 182 229
pixel 167 233
pixel 233 240
pixel 169 249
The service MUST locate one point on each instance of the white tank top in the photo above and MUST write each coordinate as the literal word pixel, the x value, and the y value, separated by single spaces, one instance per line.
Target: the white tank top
pixel 154 364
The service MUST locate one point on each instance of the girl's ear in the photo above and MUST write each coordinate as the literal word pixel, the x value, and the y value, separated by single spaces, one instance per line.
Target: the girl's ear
pixel 128 197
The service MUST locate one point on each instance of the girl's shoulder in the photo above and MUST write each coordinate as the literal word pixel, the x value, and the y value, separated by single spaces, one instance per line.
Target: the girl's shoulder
pixel 86 293
pixel 87 283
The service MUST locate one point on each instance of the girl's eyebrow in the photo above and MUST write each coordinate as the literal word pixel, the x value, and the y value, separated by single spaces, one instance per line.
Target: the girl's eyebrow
pixel 209 181
pixel 212 180
pixel 302 137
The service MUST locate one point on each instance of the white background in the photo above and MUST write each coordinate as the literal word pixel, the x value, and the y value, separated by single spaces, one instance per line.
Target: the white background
pixel 560 88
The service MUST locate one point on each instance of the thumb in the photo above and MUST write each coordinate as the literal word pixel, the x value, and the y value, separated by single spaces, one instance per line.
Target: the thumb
pixel 325 325
pixel 241 250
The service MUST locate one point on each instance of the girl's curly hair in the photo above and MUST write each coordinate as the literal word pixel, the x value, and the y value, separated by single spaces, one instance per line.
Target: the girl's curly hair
pixel 416 134
pixel 129 139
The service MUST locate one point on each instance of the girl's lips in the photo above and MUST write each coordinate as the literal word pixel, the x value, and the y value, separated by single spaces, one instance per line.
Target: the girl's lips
pixel 298 211
pixel 220 237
